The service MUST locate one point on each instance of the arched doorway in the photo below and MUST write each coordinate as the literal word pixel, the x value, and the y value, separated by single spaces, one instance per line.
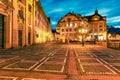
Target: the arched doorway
pixel 1 31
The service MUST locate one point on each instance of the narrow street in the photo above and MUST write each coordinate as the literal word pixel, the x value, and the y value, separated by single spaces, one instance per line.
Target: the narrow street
pixel 60 62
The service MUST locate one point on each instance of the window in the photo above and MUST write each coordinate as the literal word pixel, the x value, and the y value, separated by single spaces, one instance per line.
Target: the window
pixel 70 29
pixel 67 25
pixel 71 25
pixel 66 30
pixel 21 14
pixel 69 19
pixel 100 30
pixel 100 26
pixel 29 8
pixel 75 24
pixel 62 30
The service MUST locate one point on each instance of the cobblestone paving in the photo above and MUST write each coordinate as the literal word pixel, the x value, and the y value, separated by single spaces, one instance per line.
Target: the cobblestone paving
pixel 108 56
pixel 46 62
pixel 89 64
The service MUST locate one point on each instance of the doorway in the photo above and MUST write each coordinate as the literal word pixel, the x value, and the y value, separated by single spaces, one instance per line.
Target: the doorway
pixel 20 37
pixel 1 31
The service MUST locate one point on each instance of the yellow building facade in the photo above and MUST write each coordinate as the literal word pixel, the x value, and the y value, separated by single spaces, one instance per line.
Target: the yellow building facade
pixel 42 28
pixel 6 23
pixel 18 26
pixel 67 27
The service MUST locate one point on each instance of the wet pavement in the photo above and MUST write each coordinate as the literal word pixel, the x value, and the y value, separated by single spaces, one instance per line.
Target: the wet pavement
pixel 60 62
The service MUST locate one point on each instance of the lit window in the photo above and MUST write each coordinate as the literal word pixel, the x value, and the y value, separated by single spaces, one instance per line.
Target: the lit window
pixel 95 18
pixel 82 22
pixel 75 24
pixel 67 25
pixel 70 25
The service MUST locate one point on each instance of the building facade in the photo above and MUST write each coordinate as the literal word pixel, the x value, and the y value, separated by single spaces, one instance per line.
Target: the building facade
pixel 21 22
pixel 6 23
pixel 42 29
pixel 67 27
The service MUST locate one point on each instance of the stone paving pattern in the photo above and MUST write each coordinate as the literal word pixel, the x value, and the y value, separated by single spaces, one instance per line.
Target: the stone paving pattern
pixel 60 62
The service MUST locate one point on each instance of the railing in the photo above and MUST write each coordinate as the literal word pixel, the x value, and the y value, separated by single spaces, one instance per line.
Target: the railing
pixel 115 45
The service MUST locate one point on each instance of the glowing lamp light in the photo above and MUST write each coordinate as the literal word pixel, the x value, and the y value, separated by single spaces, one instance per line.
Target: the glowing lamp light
pixel 101 38
pixel 75 24
pixel 83 30
pixel 79 30
pixel 95 18
pixel 82 22
pixel 70 25
pixel 67 25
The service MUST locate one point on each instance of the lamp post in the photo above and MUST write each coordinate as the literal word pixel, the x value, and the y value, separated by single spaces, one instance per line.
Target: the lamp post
pixel 83 31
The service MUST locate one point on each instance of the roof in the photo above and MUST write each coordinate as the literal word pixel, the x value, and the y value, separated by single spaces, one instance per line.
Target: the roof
pixel 95 14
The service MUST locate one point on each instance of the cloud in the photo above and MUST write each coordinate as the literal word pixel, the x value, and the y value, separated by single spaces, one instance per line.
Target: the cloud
pixel 53 22
pixel 56 10
pixel 114 19
pixel 105 11
pixel 117 26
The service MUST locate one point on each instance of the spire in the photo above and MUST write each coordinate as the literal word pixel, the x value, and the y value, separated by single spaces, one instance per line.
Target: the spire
pixel 96 11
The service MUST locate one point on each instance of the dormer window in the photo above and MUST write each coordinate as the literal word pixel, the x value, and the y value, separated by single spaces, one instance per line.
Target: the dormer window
pixel 95 17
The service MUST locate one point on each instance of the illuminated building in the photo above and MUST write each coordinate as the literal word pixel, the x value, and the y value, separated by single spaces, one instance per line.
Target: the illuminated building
pixel 66 29
pixel 22 27
pixel 6 23
pixel 97 26
pixel 42 29
pixel 23 23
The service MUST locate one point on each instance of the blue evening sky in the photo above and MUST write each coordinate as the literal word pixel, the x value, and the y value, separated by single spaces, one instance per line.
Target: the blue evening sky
pixel 55 9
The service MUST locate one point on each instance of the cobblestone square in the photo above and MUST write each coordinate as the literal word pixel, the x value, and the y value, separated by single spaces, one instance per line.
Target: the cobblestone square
pixel 58 62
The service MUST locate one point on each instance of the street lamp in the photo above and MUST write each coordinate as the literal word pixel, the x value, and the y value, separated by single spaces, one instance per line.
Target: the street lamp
pixel 83 32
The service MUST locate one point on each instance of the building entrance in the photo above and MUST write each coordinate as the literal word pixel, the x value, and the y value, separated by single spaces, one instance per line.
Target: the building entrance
pixel 1 31
pixel 20 37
